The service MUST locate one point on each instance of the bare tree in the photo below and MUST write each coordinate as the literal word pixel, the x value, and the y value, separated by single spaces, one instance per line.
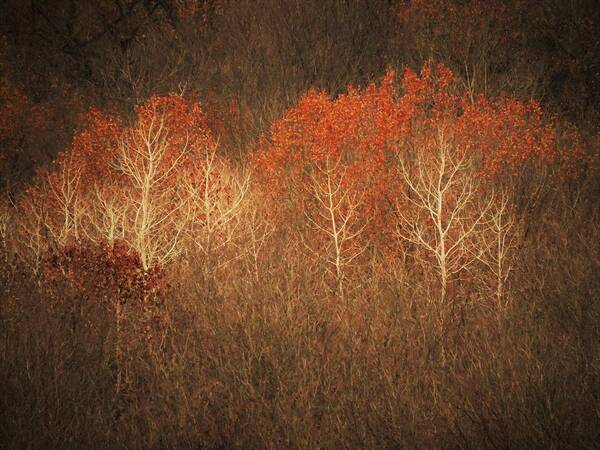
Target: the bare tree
pixel 443 213
pixel 155 222
pixel 53 211
pixel 257 230
pixel 63 191
pixel 105 218
pixel 497 246
pixel 335 217
pixel 216 196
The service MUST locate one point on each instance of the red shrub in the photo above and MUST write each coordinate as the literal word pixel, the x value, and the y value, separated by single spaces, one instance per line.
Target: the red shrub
pixel 102 273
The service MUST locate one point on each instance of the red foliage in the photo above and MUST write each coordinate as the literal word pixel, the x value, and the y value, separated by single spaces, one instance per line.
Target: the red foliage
pixel 104 273
pixel 359 128
pixel 368 128
pixel 112 162
pixel 509 135
pixel 96 147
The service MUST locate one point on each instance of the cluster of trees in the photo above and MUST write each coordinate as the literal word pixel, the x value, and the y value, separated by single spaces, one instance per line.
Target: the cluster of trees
pixel 414 169
pixel 156 186
pixel 331 195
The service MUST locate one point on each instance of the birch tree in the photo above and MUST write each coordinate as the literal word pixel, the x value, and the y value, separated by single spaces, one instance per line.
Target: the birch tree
pixel 335 218
pixel 216 195
pixel 442 213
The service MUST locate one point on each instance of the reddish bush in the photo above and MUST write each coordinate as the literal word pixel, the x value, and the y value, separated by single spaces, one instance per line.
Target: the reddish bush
pixel 102 273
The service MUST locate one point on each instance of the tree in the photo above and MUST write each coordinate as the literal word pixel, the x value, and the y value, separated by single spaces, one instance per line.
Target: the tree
pixel 357 129
pixel 333 214
pixel 497 246
pixel 443 212
pixel 152 156
pixel 125 183
pixel 509 143
pixel 216 196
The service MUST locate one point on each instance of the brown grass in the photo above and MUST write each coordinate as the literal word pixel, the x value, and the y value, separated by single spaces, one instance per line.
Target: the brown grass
pixel 277 363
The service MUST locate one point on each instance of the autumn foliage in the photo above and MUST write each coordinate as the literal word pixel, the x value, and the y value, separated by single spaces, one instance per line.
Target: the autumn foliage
pixel 102 273
pixel 369 129
pixel 122 185
pixel 155 185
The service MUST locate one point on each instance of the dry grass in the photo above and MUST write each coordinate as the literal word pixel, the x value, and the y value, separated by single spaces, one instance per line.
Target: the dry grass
pixel 234 362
